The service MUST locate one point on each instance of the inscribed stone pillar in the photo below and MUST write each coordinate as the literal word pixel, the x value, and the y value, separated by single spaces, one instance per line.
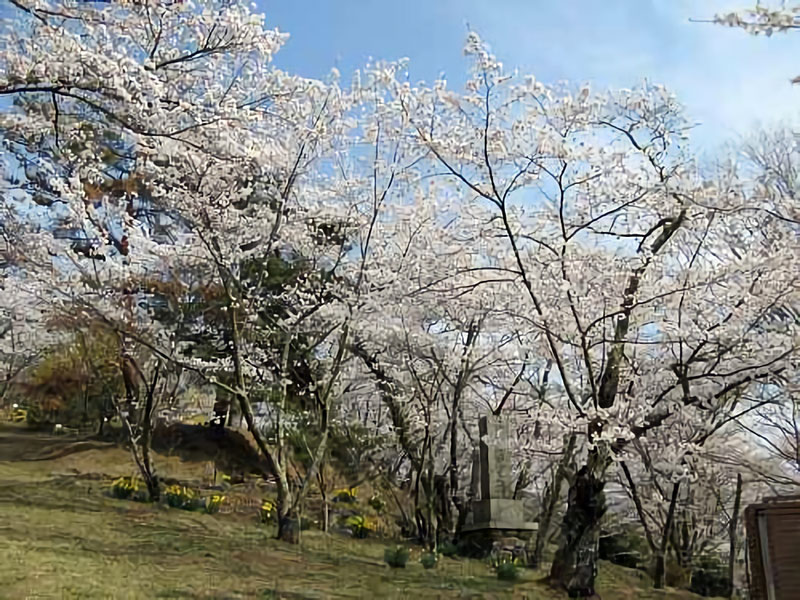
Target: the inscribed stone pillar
pixel 475 485
pixel 495 458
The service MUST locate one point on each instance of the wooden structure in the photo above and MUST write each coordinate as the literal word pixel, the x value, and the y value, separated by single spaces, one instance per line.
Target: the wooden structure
pixel 773 548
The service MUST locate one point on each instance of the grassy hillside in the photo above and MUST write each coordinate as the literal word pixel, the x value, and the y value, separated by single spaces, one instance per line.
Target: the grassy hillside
pixel 63 537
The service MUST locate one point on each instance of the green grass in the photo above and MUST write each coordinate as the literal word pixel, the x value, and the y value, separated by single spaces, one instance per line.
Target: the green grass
pixel 63 537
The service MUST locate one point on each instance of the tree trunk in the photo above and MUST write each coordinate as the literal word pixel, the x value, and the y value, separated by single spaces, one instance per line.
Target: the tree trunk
pixel 433 530
pixel 661 567
pixel 575 564
pixel 457 509
pixel 457 517
pixel 325 515
pixel 144 467
pixel 141 456
pixel 323 490
pixel 551 501
pixel 732 534
pixel 289 527
pixel 153 487
pixel 660 570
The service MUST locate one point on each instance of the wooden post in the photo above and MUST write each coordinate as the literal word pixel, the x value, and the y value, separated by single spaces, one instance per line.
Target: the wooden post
pixel 732 534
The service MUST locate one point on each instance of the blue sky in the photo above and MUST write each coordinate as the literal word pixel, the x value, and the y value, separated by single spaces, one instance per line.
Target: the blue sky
pixel 728 81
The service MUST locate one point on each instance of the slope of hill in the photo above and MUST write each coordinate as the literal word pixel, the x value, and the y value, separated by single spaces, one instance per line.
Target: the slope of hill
pixel 64 537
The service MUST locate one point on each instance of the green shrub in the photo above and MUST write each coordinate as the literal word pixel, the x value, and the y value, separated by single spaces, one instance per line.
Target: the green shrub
pixel 129 488
pixel 396 557
pixel 448 549
pixel 360 525
pixel 182 497
pixel 506 567
pixel 428 560
pixel 507 571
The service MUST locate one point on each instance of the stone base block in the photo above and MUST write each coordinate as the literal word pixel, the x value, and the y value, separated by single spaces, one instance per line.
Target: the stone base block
pixel 498 509
pixel 478 540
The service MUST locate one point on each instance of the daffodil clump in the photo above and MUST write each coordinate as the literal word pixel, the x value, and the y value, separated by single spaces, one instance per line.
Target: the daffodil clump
pixel 360 525
pixel 212 503
pixel 129 488
pixel 181 497
pixel 268 511
pixel 348 495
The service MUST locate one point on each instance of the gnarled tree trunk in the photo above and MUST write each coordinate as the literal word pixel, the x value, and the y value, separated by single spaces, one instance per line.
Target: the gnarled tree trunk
pixel 575 564
pixel 661 554
pixel 289 526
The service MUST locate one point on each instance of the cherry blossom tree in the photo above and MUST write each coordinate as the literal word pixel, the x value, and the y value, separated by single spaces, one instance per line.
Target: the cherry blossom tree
pixel 647 286
pixel 681 493
pixel 160 145
pixel 546 252
pixel 438 366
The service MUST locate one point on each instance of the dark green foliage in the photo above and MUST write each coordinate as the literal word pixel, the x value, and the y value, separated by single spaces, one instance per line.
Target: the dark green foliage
pixel 448 549
pixel 709 577
pixel 396 557
pixel 507 571
pixel 428 560
pixel 265 278
pixel 36 418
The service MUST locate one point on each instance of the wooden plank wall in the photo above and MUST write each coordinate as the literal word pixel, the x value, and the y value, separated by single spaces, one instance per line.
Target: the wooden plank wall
pixel 783 549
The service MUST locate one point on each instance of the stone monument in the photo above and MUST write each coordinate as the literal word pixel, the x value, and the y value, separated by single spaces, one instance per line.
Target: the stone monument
pixel 494 512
